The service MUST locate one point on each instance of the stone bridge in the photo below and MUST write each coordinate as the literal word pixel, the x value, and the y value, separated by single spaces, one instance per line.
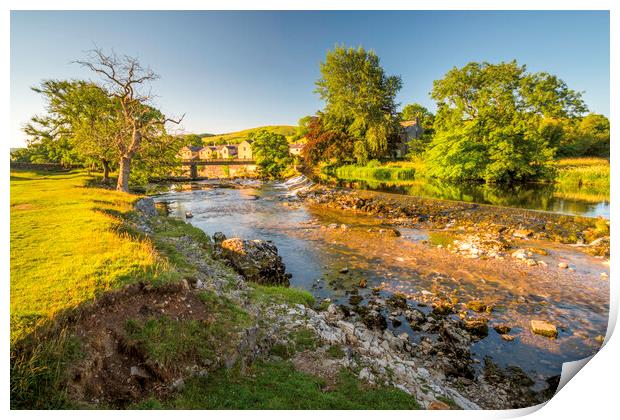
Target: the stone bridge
pixel 218 168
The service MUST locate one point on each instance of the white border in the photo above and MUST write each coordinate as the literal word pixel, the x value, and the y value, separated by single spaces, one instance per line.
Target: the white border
pixel 591 395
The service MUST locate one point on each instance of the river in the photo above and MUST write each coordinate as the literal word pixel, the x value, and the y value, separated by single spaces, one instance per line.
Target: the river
pixel 317 249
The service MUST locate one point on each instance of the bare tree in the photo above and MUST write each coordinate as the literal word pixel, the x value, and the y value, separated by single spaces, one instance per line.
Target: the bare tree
pixel 127 81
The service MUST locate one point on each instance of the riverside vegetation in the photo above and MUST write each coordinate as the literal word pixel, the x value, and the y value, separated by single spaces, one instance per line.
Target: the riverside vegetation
pixel 62 351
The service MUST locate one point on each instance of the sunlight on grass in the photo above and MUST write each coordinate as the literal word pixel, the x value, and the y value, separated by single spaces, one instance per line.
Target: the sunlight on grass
pixel 67 245
pixel 593 173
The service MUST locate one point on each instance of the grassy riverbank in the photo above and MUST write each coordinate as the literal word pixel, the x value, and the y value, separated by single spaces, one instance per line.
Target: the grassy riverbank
pixel 71 243
pixel 67 244
pixel 402 173
pixel 580 179
pixel 592 173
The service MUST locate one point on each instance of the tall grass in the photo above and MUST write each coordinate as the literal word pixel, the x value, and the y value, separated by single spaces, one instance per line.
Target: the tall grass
pixel 376 172
pixel 592 173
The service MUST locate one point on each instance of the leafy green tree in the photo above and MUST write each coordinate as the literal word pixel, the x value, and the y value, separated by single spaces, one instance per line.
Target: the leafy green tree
pixel 78 127
pixel 143 125
pixel 303 127
pixel 588 136
pixel 359 101
pixel 490 123
pixel 192 140
pixel 415 111
pixel 270 151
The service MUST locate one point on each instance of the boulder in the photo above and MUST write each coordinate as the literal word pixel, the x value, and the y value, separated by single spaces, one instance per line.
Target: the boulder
pixel 146 206
pixel 543 328
pixel 256 260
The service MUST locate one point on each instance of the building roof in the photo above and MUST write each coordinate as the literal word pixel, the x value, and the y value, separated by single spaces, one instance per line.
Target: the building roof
pixel 194 148
pixel 296 146
pixel 409 123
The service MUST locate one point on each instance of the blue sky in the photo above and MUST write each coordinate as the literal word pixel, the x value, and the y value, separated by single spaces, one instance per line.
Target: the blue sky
pixel 233 70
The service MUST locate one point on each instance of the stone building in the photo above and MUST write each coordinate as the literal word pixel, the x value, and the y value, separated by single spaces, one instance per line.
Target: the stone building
pixel 189 152
pixel 228 151
pixel 409 130
pixel 245 150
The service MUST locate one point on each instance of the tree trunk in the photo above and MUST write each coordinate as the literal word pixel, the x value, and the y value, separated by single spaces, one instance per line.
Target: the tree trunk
pixel 123 174
pixel 125 164
pixel 106 171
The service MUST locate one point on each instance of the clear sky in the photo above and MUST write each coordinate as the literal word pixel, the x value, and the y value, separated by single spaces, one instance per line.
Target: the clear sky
pixel 234 70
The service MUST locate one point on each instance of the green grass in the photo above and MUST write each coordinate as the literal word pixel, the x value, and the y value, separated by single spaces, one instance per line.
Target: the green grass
pixel 68 243
pixel 167 341
pixel 393 172
pixel 238 136
pixel 335 351
pixel 280 294
pixel 276 386
pixel 592 174
pixel 38 373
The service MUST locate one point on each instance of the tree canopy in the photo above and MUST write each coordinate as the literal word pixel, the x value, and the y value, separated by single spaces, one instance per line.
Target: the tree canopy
pixel 490 120
pixel 270 151
pixel 360 101
pixel 111 122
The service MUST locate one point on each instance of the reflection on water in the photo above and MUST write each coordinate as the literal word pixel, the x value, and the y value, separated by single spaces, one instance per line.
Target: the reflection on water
pixel 314 254
pixel 578 201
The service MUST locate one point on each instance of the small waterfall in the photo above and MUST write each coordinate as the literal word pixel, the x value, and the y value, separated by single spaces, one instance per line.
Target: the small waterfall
pixel 295 185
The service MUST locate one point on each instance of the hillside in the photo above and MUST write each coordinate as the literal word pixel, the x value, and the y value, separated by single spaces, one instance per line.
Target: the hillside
pixel 238 136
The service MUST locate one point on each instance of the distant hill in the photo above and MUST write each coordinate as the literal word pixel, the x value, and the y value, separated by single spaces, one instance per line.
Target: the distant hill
pixel 237 137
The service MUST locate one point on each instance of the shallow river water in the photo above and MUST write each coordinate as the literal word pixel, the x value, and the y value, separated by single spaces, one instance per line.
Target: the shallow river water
pixel 315 249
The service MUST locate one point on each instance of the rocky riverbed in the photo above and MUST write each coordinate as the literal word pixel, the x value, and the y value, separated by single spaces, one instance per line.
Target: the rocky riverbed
pixel 491 224
pixel 471 291
pixel 436 372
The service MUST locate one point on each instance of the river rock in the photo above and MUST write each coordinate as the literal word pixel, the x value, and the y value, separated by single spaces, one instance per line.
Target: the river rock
pixel 397 300
pixel 415 317
pixel 373 319
pixel 476 306
pixel 543 328
pixel 219 237
pixel 502 329
pixel 456 344
pixel 256 260
pixel 563 264
pixel 146 206
pixel 477 326
pixel 442 307
pixel 522 233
